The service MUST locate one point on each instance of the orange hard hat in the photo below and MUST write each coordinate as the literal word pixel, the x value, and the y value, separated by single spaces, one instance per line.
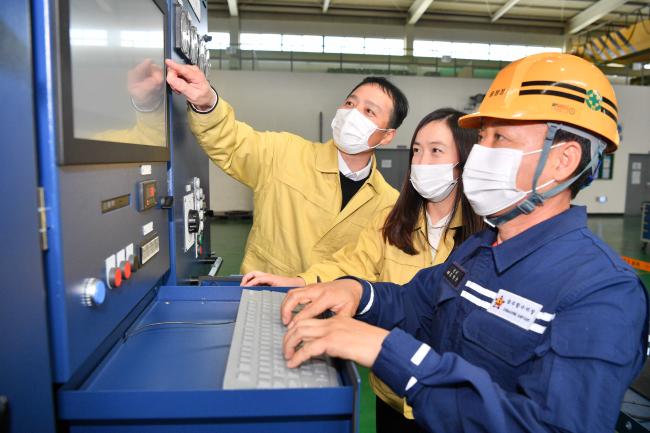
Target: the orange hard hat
pixel 552 87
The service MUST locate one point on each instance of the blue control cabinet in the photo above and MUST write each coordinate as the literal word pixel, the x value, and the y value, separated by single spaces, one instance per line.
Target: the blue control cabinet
pixel 89 264
pixel 168 378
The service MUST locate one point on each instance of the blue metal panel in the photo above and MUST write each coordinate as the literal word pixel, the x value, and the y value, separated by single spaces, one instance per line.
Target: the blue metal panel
pixel 24 352
pixel 80 235
pixel 170 377
pixel 187 161
pixel 45 84
pixel 293 425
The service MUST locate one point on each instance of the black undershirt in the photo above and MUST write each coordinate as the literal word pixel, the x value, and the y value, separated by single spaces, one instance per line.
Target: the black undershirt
pixel 349 188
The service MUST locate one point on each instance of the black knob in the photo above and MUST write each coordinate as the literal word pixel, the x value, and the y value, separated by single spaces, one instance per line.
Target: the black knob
pixel 193 221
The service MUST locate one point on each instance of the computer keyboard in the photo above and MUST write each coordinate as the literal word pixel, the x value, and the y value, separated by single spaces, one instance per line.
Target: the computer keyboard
pixel 255 359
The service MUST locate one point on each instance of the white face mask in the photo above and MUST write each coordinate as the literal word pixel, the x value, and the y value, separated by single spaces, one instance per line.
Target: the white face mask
pixel 490 178
pixel 433 181
pixel 351 131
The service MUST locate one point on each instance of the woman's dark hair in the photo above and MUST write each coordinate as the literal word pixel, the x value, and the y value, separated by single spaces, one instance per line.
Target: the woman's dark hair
pixel 410 206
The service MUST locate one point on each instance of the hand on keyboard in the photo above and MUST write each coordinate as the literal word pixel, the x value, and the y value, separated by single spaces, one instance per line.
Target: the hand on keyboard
pixel 255 359
pixel 341 297
pixel 341 337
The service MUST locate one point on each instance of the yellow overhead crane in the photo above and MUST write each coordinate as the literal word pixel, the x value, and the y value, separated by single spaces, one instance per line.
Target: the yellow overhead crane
pixel 628 45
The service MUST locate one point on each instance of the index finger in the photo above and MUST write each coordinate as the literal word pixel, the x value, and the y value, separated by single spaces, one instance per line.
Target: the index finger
pixel 291 301
pixel 186 71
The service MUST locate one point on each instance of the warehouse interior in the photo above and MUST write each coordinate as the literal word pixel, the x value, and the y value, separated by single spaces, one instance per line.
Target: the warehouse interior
pixel 134 224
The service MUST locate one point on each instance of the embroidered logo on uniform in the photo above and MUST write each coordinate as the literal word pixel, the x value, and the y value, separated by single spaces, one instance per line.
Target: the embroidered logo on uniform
pixel 454 274
pixel 515 309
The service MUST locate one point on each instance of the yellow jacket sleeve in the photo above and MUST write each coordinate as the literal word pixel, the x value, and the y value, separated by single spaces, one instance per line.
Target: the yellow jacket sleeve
pixel 363 258
pixel 149 129
pixel 243 153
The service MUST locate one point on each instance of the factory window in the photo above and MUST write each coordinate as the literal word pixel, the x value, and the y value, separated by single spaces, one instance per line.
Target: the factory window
pixel 462 50
pixel 354 45
pixel 261 41
pixel 474 51
pixel 220 40
pixel 346 45
pixel 393 47
pixel 302 43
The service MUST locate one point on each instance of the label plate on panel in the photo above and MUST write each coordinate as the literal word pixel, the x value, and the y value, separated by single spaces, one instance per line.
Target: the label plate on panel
pixel 115 203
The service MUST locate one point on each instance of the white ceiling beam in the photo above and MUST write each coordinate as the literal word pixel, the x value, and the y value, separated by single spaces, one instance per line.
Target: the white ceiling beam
pixel 232 7
pixel 592 14
pixel 504 9
pixel 326 6
pixel 417 9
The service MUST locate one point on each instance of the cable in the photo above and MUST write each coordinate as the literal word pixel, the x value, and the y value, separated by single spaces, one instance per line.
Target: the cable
pixel 142 328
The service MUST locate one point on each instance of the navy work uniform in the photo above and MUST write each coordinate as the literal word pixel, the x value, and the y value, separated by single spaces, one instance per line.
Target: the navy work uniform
pixel 543 332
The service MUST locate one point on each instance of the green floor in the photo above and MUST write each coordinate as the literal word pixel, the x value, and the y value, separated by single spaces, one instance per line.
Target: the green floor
pixel 229 238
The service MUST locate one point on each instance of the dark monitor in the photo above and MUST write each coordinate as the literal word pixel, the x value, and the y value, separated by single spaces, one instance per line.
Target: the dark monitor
pixel 113 81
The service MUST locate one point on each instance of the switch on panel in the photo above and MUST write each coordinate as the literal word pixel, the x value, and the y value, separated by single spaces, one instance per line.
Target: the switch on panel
pixel 193 221
pixel 124 264
pixel 93 292
pixel 113 273
pixel 132 258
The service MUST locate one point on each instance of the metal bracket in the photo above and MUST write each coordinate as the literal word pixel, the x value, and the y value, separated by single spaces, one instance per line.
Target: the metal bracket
pixel 215 267
pixel 42 219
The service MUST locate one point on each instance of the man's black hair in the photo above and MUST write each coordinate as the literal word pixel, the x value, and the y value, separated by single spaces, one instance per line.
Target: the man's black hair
pixel 585 159
pixel 400 103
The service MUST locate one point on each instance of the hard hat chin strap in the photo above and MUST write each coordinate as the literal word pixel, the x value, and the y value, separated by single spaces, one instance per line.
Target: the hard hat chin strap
pixel 535 198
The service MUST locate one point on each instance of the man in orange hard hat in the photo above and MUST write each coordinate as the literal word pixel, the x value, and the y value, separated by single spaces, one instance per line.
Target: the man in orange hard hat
pixel 533 325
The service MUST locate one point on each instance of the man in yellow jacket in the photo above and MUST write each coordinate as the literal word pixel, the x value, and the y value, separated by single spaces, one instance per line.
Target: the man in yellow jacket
pixel 309 198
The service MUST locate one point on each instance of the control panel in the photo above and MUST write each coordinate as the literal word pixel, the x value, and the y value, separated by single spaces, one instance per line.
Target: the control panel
pixel 194 208
pixel 190 165
pixel 114 245
pixel 189 44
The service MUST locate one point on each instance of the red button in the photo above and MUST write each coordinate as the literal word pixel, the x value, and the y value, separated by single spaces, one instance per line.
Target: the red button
pixel 126 270
pixel 117 279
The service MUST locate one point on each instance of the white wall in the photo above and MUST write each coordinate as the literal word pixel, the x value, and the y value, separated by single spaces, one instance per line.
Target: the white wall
pixel 282 101
pixel 285 101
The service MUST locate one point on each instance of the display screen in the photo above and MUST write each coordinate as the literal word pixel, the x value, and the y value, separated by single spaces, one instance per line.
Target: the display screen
pixel 117 71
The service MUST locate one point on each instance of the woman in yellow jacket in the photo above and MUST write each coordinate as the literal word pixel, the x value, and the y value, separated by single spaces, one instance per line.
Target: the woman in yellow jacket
pixel 430 217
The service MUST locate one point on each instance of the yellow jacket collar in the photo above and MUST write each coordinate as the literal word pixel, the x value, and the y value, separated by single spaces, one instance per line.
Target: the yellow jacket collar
pixel 327 161
pixel 327 157
pixel 455 222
